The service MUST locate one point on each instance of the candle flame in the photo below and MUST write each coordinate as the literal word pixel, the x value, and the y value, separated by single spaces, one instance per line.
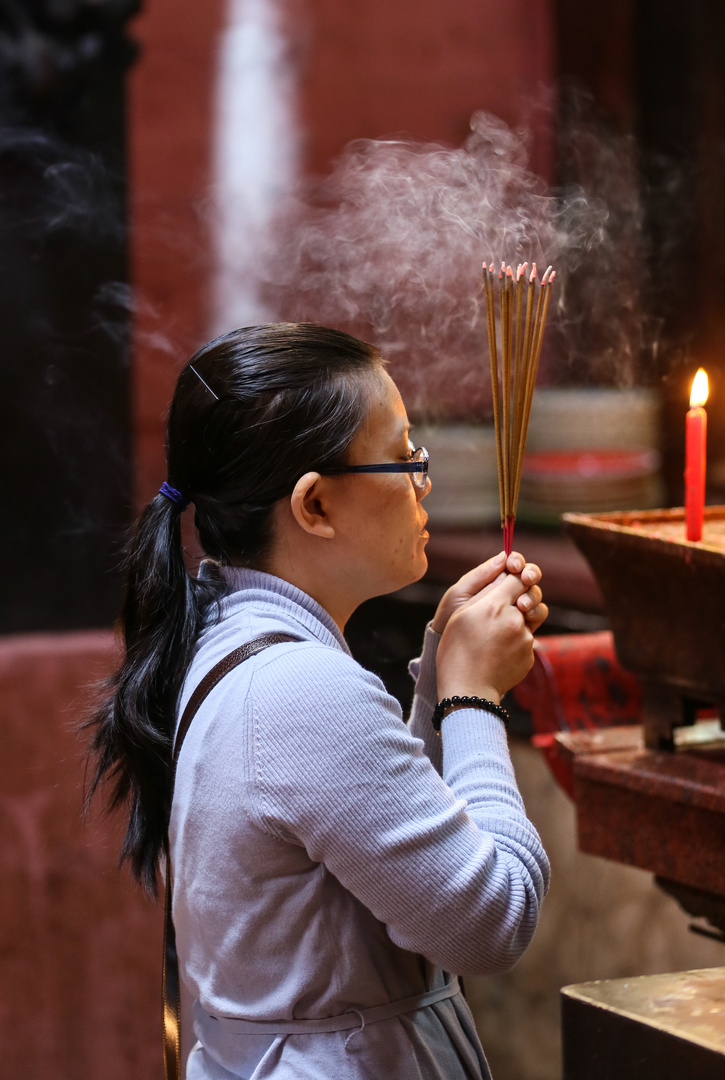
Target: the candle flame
pixel 700 389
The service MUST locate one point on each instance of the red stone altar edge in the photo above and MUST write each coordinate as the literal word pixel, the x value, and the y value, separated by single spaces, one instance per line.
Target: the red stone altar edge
pixel 660 811
pixel 664 597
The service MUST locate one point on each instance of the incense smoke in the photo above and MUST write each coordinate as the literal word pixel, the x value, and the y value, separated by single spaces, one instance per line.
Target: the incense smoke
pixel 606 332
pixel 390 246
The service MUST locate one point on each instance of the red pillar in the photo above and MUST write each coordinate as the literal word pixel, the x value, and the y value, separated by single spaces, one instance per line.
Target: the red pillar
pixel 171 112
pixel 421 68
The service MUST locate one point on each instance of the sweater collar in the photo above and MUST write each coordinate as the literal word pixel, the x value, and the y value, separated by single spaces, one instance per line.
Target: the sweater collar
pixel 245 586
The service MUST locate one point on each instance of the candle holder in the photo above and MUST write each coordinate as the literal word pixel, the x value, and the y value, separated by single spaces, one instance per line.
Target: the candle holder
pixel 664 597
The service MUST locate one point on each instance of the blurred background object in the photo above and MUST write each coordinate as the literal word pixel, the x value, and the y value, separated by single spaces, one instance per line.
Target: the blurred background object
pixel 588 480
pixel 463 456
pixel 594 418
pixel 591 449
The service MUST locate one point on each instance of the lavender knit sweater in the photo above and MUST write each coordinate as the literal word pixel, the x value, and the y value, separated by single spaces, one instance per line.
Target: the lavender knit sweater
pixel 328 859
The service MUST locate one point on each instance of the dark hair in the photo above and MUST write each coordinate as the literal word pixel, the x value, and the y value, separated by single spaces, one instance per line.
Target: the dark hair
pixel 252 412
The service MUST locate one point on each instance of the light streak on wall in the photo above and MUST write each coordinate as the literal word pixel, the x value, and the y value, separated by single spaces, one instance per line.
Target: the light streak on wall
pixel 255 152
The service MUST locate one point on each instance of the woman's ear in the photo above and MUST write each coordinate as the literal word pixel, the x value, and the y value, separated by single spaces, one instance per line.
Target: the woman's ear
pixel 309 505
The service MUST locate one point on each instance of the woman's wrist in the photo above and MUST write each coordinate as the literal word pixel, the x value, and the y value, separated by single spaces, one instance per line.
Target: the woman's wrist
pixel 486 692
pixel 473 701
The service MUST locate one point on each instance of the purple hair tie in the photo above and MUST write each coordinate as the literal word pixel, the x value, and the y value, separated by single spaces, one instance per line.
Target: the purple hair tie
pixel 176 497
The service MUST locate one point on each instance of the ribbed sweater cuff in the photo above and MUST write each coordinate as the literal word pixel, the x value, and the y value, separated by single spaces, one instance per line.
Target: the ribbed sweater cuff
pixel 423 669
pixel 468 733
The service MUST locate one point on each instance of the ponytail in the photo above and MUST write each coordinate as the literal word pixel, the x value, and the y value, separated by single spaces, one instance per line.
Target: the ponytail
pixel 133 729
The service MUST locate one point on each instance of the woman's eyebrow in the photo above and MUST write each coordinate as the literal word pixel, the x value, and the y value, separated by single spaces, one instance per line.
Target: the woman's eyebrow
pixel 402 434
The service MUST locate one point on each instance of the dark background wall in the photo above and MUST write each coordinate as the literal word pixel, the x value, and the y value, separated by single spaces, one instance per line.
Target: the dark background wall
pixel 65 434
pixel 653 74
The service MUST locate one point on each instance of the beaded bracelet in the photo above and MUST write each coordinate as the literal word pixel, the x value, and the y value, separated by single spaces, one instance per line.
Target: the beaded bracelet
pixel 471 702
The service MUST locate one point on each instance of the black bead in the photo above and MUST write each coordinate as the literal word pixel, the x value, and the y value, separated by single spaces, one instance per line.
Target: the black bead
pixel 479 703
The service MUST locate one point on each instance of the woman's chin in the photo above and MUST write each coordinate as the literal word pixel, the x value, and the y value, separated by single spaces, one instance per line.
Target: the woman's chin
pixel 421 565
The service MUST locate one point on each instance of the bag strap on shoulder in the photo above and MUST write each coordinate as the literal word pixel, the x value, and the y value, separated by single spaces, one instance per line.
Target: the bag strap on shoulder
pixel 170 988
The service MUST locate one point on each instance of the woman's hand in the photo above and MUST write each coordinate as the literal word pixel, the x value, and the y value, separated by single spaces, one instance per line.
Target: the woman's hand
pixel 487 640
pixel 485 575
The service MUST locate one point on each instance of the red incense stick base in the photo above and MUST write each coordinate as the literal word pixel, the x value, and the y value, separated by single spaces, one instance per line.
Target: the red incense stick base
pixel 508 534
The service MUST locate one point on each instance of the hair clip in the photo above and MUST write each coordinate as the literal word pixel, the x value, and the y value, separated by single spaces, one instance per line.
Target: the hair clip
pixel 204 382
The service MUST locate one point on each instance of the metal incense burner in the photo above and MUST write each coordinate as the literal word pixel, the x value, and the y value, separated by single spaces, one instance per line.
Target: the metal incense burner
pixel 665 597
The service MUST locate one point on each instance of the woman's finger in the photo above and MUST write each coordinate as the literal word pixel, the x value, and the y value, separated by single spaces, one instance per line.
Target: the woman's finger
pixel 536 616
pixel 493 570
pixel 515 562
pixel 482 575
pixel 530 599
pixel 531 574
pixel 469 586
pixel 509 588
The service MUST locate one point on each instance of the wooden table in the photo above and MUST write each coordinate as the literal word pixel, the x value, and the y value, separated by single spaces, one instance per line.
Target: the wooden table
pixel 671 1027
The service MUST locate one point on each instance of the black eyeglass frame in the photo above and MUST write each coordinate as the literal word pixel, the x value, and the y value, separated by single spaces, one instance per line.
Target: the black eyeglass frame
pixel 419 467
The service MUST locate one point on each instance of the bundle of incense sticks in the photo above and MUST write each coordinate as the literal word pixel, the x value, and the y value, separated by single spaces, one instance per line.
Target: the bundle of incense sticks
pixel 523 307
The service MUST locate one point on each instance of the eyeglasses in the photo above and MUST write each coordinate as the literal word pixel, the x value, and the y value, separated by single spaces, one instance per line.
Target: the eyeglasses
pixel 417 466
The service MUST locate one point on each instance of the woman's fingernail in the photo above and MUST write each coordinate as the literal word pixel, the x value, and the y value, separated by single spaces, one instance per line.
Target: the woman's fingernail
pixel 525 602
pixel 517 564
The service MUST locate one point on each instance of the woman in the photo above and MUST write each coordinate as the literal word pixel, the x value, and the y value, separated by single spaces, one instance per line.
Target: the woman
pixel 332 867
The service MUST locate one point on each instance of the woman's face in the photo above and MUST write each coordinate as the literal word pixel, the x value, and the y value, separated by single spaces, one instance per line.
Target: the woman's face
pixel 383 520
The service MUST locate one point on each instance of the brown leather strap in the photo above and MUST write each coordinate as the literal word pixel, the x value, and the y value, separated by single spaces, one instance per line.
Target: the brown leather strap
pixel 170 989
pixel 170 992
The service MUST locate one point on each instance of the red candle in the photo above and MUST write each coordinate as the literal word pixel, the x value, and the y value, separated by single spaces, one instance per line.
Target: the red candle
pixel 695 440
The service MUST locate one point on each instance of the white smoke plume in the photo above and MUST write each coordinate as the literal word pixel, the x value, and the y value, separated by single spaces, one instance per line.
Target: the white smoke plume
pixel 390 246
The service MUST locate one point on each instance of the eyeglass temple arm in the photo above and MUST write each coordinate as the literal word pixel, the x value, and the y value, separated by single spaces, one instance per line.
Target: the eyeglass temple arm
pixel 403 466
